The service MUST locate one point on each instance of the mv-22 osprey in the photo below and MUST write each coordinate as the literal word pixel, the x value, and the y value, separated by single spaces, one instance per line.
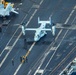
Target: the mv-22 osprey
pixel 41 31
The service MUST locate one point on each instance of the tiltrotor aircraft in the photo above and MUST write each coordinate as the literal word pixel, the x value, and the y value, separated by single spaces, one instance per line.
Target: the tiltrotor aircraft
pixel 40 31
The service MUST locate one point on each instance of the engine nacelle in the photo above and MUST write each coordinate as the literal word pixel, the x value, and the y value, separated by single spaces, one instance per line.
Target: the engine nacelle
pixel 23 30
pixel 53 30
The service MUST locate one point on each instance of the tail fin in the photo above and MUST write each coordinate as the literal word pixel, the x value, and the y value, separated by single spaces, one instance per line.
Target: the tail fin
pixel 50 20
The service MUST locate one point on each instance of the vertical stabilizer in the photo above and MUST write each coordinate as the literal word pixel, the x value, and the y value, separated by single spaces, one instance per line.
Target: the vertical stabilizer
pixel 38 20
pixel 50 20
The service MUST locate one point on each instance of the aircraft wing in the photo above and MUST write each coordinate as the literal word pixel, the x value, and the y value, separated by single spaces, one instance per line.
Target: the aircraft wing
pixel 65 26
pixel 34 29
pixel 46 29
pixel 31 29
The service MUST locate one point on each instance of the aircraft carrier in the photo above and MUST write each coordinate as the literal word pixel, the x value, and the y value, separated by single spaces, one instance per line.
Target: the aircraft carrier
pixel 50 55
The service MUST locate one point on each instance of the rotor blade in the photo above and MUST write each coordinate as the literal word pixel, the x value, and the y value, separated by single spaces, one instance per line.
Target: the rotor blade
pixel 16 24
pixel 65 26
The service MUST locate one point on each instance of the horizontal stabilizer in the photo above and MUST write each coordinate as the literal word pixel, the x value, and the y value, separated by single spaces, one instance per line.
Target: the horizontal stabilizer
pixel 47 22
pixel 44 22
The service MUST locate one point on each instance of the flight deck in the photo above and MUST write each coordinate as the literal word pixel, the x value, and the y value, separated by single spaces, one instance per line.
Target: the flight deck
pixel 48 56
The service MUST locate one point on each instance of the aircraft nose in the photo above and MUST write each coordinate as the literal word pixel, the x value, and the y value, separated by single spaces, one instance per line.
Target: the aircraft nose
pixel 36 39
